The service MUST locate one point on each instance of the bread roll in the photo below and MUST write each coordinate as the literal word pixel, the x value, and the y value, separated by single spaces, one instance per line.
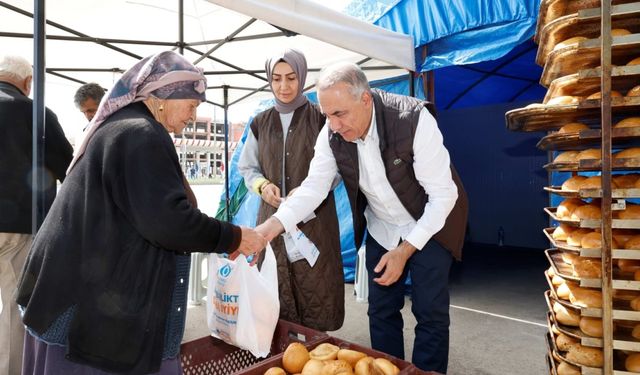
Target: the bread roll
pixel 589 268
pixel 564 100
pixel 589 154
pixel 621 236
pixel 625 181
pixel 566 369
pixel 633 243
pixel 628 265
pixel 573 127
pixel 574 238
pixel 598 95
pixel 387 367
pixel 620 32
pixel 591 326
pixel 562 291
pixel 587 211
pixel 351 356
pixel 294 357
pixel 561 232
pixel 586 356
pixel 566 157
pixel 593 240
pixel 635 333
pixel 573 184
pixel 367 366
pixel 275 371
pixel 564 342
pixel 630 153
pixel 595 182
pixel 635 304
pixel 551 272
pixel 336 367
pixel 635 61
pixel 324 352
pixel 568 256
pixel 625 295
pixel 631 212
pixel 632 363
pixel 557 280
pixel 629 122
pixel 633 92
pixel 567 207
pixel 569 42
pixel 565 315
pixel 312 367
pixel 584 297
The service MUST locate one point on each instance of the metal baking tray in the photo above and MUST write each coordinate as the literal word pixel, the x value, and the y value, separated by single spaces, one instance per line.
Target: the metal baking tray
pixel 553 9
pixel 590 138
pixel 560 355
pixel 572 25
pixel 586 55
pixel 590 253
pixel 566 272
pixel 587 82
pixel 594 165
pixel 593 193
pixel 545 118
pixel 593 223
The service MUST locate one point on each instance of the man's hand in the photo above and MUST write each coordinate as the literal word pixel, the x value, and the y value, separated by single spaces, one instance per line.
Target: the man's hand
pixel 270 228
pixel 393 263
pixel 252 242
pixel 271 194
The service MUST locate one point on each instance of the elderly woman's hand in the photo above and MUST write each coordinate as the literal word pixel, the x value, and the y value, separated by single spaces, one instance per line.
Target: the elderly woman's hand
pixel 271 194
pixel 252 242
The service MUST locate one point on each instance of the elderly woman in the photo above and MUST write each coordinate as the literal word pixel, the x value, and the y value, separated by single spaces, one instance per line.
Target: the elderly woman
pixel 104 286
pixel 275 160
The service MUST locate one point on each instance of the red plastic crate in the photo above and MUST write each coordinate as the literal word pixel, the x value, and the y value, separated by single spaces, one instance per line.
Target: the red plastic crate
pixel 405 367
pixel 211 356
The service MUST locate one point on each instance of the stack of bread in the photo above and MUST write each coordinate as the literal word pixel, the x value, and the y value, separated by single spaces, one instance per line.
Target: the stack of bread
pixel 329 359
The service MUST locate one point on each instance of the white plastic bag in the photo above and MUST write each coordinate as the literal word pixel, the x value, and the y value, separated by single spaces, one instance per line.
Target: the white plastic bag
pixel 242 302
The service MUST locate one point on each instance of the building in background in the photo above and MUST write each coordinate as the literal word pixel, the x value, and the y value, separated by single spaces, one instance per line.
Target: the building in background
pixel 201 147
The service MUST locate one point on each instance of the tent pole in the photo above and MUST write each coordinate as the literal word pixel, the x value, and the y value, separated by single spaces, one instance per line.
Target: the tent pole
pixel 226 150
pixel 38 125
pixel 412 85
pixel 181 26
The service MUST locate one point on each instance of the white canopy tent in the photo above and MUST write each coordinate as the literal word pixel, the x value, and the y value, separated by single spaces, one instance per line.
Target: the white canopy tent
pixel 94 40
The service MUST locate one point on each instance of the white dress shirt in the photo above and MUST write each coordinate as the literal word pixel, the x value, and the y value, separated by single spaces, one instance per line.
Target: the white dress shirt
pixel 388 221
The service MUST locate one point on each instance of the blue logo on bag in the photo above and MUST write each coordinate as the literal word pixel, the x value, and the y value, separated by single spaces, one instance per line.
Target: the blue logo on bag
pixel 225 270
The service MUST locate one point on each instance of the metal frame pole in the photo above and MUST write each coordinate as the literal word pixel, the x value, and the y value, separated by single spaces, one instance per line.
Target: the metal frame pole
pixel 38 139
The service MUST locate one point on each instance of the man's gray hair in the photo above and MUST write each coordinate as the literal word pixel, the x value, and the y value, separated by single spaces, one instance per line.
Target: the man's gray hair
pixel 345 72
pixel 88 91
pixel 15 68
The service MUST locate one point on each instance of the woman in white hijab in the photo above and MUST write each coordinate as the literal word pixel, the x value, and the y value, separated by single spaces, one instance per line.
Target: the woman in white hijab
pixel 275 160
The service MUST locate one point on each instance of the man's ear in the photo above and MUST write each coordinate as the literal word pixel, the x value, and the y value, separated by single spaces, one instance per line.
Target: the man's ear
pixel 26 85
pixel 367 98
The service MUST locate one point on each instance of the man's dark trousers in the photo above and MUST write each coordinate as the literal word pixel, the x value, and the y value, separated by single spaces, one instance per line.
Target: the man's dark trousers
pixel 429 269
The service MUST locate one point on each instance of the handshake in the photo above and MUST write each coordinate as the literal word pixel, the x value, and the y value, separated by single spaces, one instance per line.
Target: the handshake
pixel 255 240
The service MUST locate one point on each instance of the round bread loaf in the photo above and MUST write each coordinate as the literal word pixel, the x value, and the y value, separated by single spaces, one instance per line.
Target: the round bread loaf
pixel 625 181
pixel 573 184
pixel 635 61
pixel 569 42
pixel 586 212
pixel 625 295
pixel 631 212
pixel 313 367
pixel 584 297
pixel 351 356
pixel 565 315
pixel 561 232
pixel 595 182
pixel 621 236
pixel 635 304
pixel 564 342
pixel 629 122
pixel 633 243
pixel 598 95
pixel 620 32
pixel 563 292
pixel 557 280
pixel 564 100
pixel 336 367
pixel 566 157
pixel 566 369
pixel 573 127
pixel 628 265
pixel 295 357
pixel 589 268
pixel 593 240
pixel 591 326
pixel 632 363
pixel 568 256
pixel 566 208
pixel 589 154
pixel 551 272
pixel 275 371
pixel 387 367
pixel 575 238
pixel 630 153
pixel 324 352
pixel 635 91
pixel 586 356
pixel 367 366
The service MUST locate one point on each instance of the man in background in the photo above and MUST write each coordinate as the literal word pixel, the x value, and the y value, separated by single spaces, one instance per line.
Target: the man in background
pixel 16 114
pixel 87 99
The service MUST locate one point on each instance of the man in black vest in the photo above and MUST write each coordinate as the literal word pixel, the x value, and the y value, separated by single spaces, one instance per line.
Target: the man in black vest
pixel 389 152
